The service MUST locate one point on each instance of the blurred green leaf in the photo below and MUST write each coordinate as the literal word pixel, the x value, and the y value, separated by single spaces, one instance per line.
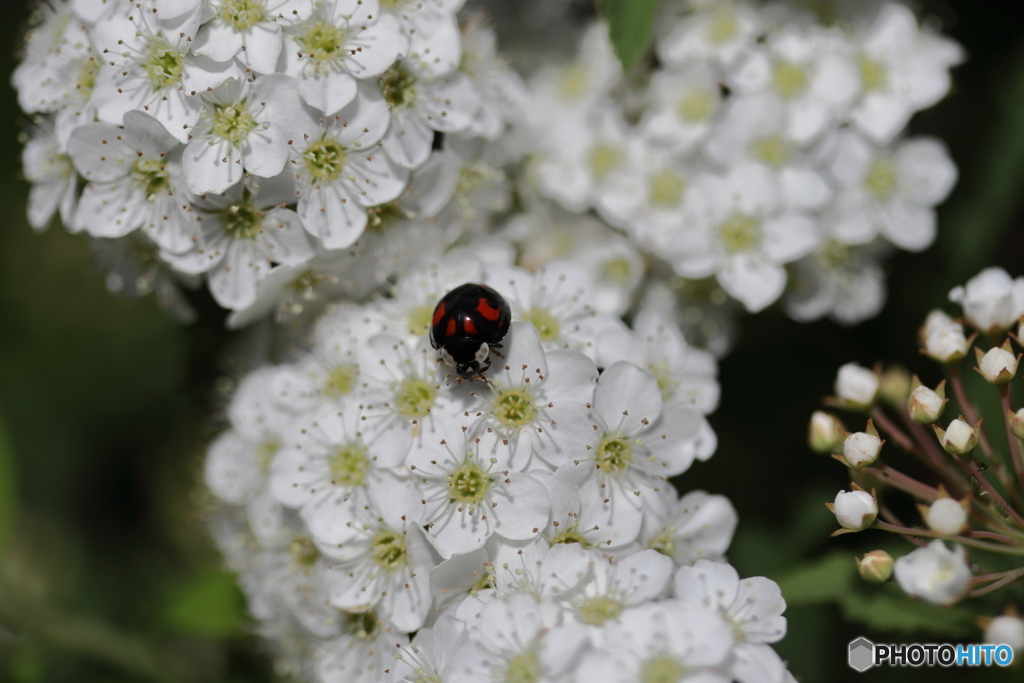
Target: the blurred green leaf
pixel 828 579
pixel 7 490
pixel 209 605
pixel 894 611
pixel 629 27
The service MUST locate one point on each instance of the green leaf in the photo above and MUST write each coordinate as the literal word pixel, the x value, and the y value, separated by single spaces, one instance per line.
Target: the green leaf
pixel 207 606
pixel 629 27
pixel 894 611
pixel 7 490
pixel 829 579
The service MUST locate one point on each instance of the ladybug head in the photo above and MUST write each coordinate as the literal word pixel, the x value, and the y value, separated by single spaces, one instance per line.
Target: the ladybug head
pixel 467 355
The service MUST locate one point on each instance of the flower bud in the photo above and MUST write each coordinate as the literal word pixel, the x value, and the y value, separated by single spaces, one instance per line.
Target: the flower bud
pixel 925 405
pixel 854 510
pixel 934 573
pixel 856 386
pixel 1006 630
pixel 988 301
pixel 895 385
pixel 943 338
pixel 1016 422
pixel 825 432
pixel 946 516
pixel 998 366
pixel 875 567
pixel 860 449
pixel 959 438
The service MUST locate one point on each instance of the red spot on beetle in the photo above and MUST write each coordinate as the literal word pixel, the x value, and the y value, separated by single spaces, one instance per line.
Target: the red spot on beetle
pixel 438 314
pixel 450 330
pixel 486 310
pixel 468 326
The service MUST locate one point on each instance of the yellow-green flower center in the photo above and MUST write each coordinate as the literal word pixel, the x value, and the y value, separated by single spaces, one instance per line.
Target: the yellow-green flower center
pixel 571 536
pixel 789 79
pixel 603 160
pixel 325 159
pixel 667 383
pixel 664 543
pixel 381 217
pixel 266 452
pixel 242 220
pixel 881 179
pixel 389 551
pixel 772 150
pixel 163 64
pixel 349 464
pixel 614 453
pixel 468 484
pixel 599 609
pixel 574 81
pixel 663 669
pixel 399 88
pixel 525 667
pixel 872 74
pixel 514 408
pixel 420 319
pixel 740 233
pixel 362 625
pixel 415 397
pixel 151 176
pixel 834 254
pixel 546 324
pixel 722 26
pixel 340 380
pixel 666 189
pixel 232 123
pixel 303 551
pixel 695 106
pixel 87 77
pixel 616 270
pixel 322 41
pixel 242 14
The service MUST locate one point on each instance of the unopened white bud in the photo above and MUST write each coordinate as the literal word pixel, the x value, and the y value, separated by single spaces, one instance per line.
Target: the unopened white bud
pixel 1006 630
pixel 854 510
pixel 988 301
pixel 943 338
pixel 860 449
pixel 875 566
pixel 1016 422
pixel 856 386
pixel 825 432
pixel 895 385
pixel 946 516
pixel 959 437
pixel 934 573
pixel 926 405
pixel 998 365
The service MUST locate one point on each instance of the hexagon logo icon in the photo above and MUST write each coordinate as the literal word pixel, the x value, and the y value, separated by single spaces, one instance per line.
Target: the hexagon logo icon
pixel 862 654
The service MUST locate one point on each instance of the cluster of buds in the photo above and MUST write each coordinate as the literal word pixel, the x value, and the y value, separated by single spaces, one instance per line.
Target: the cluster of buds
pixel 971 504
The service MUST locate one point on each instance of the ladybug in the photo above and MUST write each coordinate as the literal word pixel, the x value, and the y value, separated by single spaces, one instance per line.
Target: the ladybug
pixel 468 322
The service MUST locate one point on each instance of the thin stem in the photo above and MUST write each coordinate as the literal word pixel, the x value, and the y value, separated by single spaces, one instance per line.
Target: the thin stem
pixel 1015 456
pixel 939 459
pixel 892 430
pixel 903 482
pixel 963 540
pixel 971 533
pixel 967 408
pixel 980 476
pixel 890 517
pixel 1010 578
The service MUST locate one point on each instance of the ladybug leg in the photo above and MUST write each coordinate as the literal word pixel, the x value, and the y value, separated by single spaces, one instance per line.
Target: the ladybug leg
pixel 494 350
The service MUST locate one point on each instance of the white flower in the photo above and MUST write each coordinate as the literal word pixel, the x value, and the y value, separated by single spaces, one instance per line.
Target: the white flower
pixel 431 649
pixel 749 236
pixel 470 491
pixel 856 385
pixel 518 638
pixel 243 127
pixel 633 442
pixel 992 300
pixel 248 30
pixel 943 338
pixel 754 606
pixel 855 510
pixel 364 653
pixel 243 232
pixel 843 282
pixel 610 588
pixel 340 41
pixel 664 640
pixel 998 365
pixel 716 32
pixel 811 69
pixel 432 31
pixel 947 516
pixel 147 66
pixel 925 405
pixel 934 573
pixel 1006 630
pixel 902 70
pixel 53 178
pixel 385 563
pixel 503 94
pixel 341 170
pixel 959 438
pixel 889 193
pixel 133 270
pixel 134 182
pixel 683 108
pixel 697 526
pixel 861 449
pixel 420 105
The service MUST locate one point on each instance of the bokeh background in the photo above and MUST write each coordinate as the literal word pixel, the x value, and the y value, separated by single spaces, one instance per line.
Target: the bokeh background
pixel 106 573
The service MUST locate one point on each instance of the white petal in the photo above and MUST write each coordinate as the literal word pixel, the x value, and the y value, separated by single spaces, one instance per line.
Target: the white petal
pixel 211 165
pixel 523 507
pixel 627 397
pixel 754 280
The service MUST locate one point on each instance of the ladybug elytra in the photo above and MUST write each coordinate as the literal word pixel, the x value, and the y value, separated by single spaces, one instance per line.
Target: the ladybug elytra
pixel 468 322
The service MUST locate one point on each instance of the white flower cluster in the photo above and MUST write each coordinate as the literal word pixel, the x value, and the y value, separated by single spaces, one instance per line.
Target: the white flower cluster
pixel 523 528
pixel 759 148
pixel 269 146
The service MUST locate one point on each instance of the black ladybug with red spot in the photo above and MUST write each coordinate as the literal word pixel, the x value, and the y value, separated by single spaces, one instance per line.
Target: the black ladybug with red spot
pixel 468 322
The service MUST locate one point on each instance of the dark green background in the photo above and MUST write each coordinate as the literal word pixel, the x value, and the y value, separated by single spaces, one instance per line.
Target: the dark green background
pixel 105 405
